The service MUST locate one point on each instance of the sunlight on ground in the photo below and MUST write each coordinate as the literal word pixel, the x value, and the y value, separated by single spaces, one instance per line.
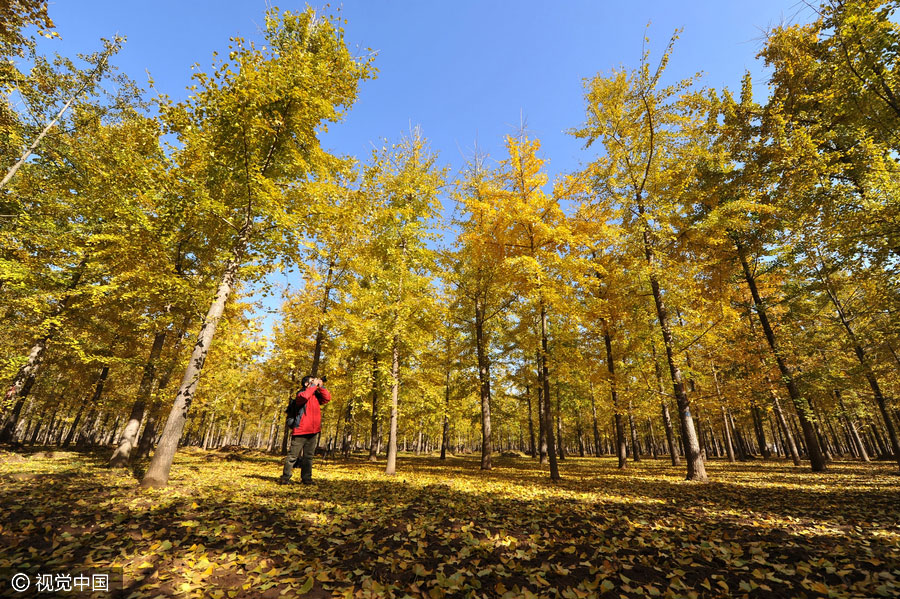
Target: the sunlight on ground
pixel 223 528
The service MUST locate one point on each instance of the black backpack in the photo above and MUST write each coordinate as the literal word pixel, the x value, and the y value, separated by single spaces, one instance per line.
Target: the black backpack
pixel 294 413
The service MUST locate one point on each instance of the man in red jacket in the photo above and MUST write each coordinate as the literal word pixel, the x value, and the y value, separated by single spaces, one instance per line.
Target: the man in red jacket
pixel 305 436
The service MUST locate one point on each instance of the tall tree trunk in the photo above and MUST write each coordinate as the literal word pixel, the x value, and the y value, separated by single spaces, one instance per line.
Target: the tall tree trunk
pixel 484 378
pixel 373 442
pixel 696 470
pixel 866 367
pixel 95 74
pixel 664 405
pixel 727 432
pixel 760 433
pixel 785 431
pixel 320 329
pixel 817 460
pixel 542 434
pixel 545 382
pixel 635 445
pixel 532 446
pixel 391 467
pixel 122 454
pixel 158 472
pixel 560 449
pixel 594 422
pixel 851 426
pixel 148 435
pixel 445 429
pixel 27 373
pixel 651 438
pixel 621 448
pixel 742 445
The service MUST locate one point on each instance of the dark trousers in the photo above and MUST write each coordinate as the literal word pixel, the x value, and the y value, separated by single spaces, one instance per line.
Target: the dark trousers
pixel 302 447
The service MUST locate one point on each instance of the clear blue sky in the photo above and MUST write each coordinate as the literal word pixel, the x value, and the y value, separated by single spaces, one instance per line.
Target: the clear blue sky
pixel 464 69
pixel 461 69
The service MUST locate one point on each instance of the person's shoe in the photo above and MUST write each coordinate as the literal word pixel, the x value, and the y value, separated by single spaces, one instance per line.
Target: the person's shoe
pixel 308 481
pixel 285 481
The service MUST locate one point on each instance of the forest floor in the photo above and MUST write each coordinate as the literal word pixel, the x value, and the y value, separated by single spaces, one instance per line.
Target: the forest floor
pixel 224 529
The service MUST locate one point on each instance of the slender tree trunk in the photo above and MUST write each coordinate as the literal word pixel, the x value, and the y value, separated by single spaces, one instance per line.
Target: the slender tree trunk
pixel 122 454
pixel 635 446
pixel 95 74
pixel 542 433
pixel 761 433
pixel 594 422
pixel 867 371
pixel 876 434
pixel 621 445
pixel 729 444
pixel 320 329
pixel 545 382
pixel 395 406
pixel 820 433
pixel 667 419
pixel 445 429
pixel 484 378
pixel 785 431
pixel 560 451
pixel 373 441
pixel 27 373
pixel 158 472
pixel 654 451
pixel 72 431
pixel 817 460
pixel 532 446
pixel 148 435
pixel 742 444
pixel 277 416
pixel 696 470
pixel 851 426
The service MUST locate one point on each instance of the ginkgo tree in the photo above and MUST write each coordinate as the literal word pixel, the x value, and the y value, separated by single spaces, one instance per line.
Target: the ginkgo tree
pixel 652 137
pixel 248 143
pixel 401 183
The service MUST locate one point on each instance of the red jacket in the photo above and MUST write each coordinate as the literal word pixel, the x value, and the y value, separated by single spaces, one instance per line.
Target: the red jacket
pixel 312 419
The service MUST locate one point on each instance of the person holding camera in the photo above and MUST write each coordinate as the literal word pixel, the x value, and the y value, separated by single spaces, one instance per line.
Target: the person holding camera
pixel 306 422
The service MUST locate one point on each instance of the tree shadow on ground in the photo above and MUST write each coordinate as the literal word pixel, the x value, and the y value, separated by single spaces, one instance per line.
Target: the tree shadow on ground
pixel 510 528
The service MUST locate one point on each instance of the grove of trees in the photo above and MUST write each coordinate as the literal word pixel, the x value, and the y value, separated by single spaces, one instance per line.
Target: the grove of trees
pixel 721 278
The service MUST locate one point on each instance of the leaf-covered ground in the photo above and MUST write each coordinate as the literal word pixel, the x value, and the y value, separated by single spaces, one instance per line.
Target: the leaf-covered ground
pixel 223 528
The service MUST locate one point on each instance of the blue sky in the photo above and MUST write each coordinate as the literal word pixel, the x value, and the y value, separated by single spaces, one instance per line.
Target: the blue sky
pixel 463 70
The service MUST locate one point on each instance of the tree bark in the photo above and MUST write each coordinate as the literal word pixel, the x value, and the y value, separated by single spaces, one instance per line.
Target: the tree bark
pixel 594 422
pixel 621 448
pixel 122 454
pixel 560 448
pixel 696 470
pixel 867 369
pixel 851 426
pixel 817 460
pixel 545 383
pixel 785 431
pixel 27 373
pixel 667 419
pixel 532 446
pixel 484 378
pixel 158 472
pixel 445 428
pixel 391 467
pixel 542 434
pixel 320 329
